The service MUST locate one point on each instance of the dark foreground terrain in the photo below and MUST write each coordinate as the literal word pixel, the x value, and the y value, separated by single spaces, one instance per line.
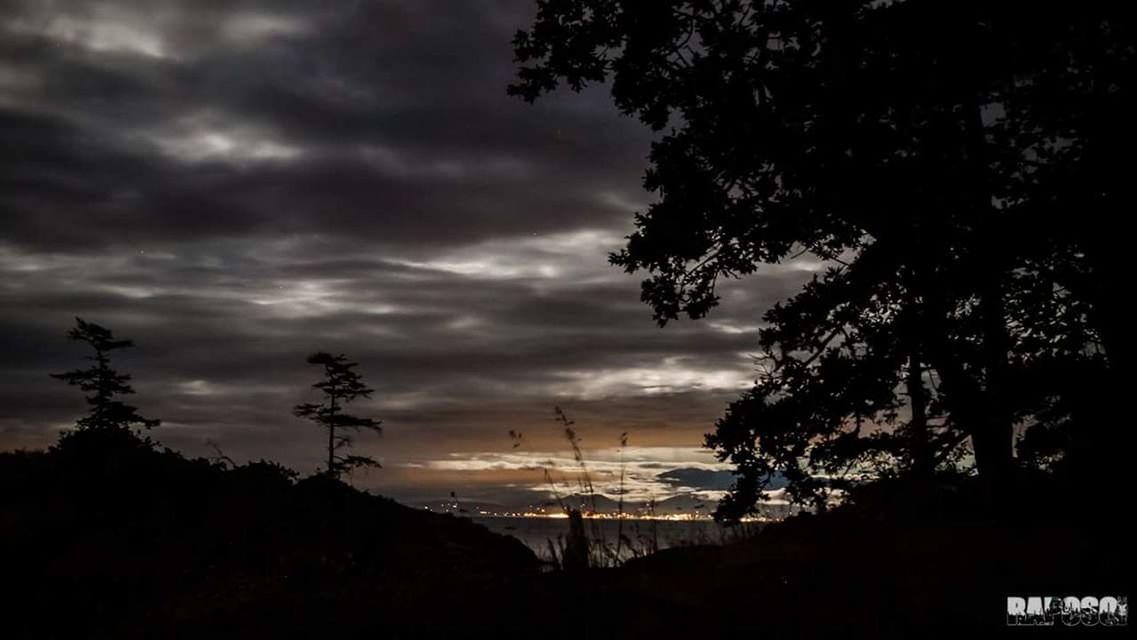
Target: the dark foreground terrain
pixel 105 536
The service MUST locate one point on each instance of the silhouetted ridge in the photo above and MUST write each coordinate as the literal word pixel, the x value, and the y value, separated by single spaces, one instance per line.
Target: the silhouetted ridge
pixel 123 535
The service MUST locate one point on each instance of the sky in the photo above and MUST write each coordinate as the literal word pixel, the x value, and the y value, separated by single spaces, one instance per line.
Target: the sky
pixel 234 185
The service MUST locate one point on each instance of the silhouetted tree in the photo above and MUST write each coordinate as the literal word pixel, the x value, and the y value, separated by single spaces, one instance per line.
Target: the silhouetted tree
pixel 340 385
pixel 102 383
pixel 956 164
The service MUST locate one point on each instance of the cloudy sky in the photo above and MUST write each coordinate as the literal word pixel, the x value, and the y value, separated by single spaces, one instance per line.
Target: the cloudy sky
pixel 236 184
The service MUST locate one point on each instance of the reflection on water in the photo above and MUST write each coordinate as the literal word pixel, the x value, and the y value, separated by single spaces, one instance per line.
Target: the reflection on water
pixel 639 537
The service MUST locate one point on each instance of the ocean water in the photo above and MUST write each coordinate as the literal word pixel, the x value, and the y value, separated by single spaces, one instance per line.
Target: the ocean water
pixel 640 536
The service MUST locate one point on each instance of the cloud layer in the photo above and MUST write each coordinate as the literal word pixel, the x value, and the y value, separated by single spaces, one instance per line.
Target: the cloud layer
pixel 235 185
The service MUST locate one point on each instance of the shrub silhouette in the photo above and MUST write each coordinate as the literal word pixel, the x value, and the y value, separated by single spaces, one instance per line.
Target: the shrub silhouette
pixel 130 538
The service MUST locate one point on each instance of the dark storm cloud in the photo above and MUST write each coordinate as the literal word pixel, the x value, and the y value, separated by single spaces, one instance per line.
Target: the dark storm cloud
pixel 696 478
pixel 234 185
pixel 150 123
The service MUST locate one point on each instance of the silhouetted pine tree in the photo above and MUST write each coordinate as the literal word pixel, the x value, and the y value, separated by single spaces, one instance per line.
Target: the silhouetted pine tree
pixel 340 386
pixel 103 384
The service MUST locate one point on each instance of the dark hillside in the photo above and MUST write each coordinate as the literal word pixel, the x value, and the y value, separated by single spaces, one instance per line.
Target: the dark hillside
pixel 108 534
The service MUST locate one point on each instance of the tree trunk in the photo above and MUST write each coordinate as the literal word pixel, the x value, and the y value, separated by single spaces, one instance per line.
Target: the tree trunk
pixel 993 444
pixel 993 439
pixel 978 411
pixel 922 462
pixel 331 450
pixel 331 427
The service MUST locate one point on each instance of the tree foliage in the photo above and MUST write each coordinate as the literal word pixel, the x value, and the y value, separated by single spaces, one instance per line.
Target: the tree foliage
pixel 956 168
pixel 340 385
pixel 103 385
